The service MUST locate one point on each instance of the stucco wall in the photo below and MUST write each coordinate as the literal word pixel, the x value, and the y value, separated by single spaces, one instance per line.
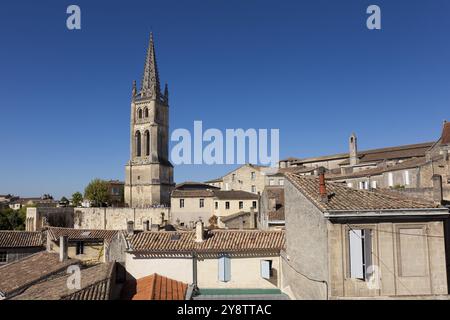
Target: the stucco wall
pixel 305 264
pixel 245 273
pixel 191 211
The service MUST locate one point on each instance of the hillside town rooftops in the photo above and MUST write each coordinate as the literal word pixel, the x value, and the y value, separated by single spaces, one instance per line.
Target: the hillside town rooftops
pixel 154 287
pixel 345 199
pixel 20 239
pixel 19 275
pixel 95 285
pixel 215 241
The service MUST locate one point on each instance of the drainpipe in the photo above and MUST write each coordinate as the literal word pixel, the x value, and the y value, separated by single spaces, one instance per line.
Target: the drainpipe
pixel 194 272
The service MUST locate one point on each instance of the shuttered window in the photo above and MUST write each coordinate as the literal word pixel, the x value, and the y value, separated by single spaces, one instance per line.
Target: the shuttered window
pixel 3 257
pixel 224 268
pixel 266 269
pixel 360 253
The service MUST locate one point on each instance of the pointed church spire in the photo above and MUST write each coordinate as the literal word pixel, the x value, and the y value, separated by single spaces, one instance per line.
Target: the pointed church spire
pixel 150 86
pixel 166 93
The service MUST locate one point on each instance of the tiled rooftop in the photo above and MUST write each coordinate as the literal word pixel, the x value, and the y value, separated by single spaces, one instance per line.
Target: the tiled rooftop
pixel 82 234
pixel 215 241
pixel 19 275
pixel 20 239
pixel 343 198
pixel 154 287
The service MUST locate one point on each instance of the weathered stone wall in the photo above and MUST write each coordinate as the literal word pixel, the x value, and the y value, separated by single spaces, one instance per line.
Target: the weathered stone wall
pixel 117 218
pixel 55 217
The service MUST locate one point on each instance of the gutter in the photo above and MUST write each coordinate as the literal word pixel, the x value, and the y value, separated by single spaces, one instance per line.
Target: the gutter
pixel 387 213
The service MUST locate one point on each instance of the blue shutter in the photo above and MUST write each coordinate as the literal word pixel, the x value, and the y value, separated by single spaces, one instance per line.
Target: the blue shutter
pixel 265 269
pixel 224 268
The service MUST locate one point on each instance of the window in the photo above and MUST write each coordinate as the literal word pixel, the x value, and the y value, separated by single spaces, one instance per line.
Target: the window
pixel 140 114
pixel 254 204
pixel 3 257
pixel 241 204
pixel 390 179
pixel 233 177
pixel 80 248
pixel 266 269
pixel 147 143
pixel 271 182
pixel 281 182
pixel 181 203
pixel 254 189
pixel 217 205
pixel 253 175
pixel 407 182
pixel 224 268
pixel 227 186
pixel 202 203
pixel 374 184
pixel 227 205
pixel 360 253
pixel 138 143
pixel 363 185
pixel 146 113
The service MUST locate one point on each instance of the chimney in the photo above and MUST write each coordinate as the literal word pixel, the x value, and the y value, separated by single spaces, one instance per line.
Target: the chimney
pixel 199 231
pixel 437 188
pixel 147 225
pixel 322 186
pixel 130 228
pixel 63 248
pixel 353 150
pixel 252 218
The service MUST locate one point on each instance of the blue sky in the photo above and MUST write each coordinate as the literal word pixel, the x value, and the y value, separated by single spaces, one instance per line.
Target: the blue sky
pixel 310 68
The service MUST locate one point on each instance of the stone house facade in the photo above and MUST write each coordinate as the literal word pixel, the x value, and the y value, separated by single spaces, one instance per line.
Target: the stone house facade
pixel 344 243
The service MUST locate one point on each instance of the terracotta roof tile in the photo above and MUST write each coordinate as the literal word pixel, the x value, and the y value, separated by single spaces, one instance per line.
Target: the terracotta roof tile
pixel 154 287
pixel 234 195
pixel 215 241
pixel 345 198
pixel 20 239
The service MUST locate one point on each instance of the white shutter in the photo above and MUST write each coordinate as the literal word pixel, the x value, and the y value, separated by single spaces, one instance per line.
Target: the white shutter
pixel 224 268
pixel 390 179
pixel 356 254
pixel 407 177
pixel 265 269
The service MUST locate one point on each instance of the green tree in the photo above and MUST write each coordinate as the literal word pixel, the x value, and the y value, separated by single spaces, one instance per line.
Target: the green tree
pixel 77 198
pixel 97 192
pixel 12 219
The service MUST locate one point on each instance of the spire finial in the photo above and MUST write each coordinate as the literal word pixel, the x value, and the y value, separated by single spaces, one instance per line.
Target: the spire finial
pixel 150 86
pixel 134 90
pixel 166 92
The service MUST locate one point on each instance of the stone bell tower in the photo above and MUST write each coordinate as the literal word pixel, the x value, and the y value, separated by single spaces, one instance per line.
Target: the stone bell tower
pixel 149 174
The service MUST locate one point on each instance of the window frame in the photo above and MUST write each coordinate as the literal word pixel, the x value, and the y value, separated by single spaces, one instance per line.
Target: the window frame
pixel 181 203
pixel 5 255
pixel 201 203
